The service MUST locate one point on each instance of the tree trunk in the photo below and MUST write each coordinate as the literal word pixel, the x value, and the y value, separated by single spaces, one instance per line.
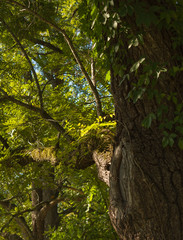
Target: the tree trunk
pixel 146 180
pixel 51 219
pixel 44 216
pixel 37 225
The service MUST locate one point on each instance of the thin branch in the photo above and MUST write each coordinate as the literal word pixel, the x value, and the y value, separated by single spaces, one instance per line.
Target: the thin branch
pixel 6 203
pixel 74 189
pixel 42 112
pixel 100 98
pixel 46 44
pixel 37 207
pixel 28 60
pixel 26 232
pixel 6 224
pixel 93 71
pixel 18 102
pixel 73 50
pixel 8 49
pixel 67 211
pixel 93 78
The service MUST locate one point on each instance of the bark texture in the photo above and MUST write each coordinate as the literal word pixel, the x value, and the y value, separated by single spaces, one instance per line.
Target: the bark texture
pixel 45 215
pixel 102 160
pixel 146 179
pixel 146 183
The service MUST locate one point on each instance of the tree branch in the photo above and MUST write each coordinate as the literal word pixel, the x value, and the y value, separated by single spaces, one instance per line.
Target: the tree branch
pixel 73 50
pixel 93 71
pixel 74 189
pixel 28 60
pixel 9 236
pixel 26 232
pixel 46 44
pixel 42 112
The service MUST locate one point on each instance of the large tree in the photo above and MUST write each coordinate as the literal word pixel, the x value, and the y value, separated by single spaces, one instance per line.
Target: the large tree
pixel 142 41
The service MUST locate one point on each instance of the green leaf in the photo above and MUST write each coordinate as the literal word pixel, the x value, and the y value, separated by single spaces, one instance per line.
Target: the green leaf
pixel 136 65
pixel 145 15
pixel 168 139
pixel 165 141
pixel 133 42
pixel 148 120
pixel 108 76
pixel 137 94
pixel 126 76
pixel 180 143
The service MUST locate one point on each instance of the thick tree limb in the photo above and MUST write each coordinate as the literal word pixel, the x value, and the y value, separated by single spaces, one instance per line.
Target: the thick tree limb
pixel 73 50
pixel 26 232
pixel 9 236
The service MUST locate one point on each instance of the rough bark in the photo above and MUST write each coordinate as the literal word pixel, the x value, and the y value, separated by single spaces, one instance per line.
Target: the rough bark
pixel 51 219
pixel 38 227
pixel 46 216
pixel 102 158
pixel 145 179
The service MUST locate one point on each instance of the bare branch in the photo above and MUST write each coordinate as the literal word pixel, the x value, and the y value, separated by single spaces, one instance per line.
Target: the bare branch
pixel 18 102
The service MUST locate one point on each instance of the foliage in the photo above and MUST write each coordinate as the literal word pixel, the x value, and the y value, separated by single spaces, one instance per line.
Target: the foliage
pixel 48 109
pixel 87 218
